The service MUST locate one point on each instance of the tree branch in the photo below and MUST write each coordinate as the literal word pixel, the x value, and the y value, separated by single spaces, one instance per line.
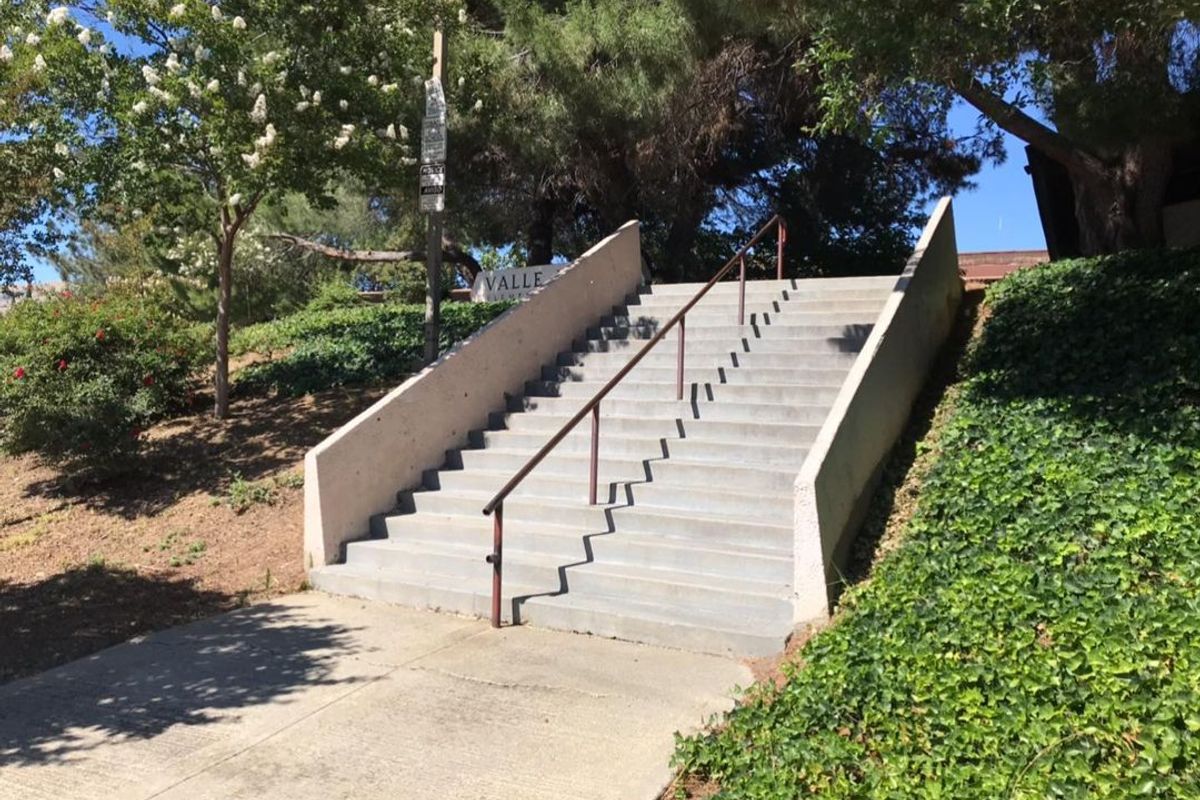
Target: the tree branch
pixel 451 253
pixel 1012 119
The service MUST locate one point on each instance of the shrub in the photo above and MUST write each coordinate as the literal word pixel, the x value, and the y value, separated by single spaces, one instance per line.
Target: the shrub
pixel 1037 633
pixel 347 346
pixel 83 376
pixel 336 293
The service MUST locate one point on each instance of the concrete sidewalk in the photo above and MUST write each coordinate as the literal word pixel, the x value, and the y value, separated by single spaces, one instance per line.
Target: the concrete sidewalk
pixel 320 697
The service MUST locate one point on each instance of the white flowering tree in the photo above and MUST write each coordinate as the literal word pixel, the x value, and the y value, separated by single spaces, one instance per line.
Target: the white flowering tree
pixel 196 113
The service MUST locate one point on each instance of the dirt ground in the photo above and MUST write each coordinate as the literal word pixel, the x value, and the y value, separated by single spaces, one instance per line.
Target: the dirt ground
pixel 211 520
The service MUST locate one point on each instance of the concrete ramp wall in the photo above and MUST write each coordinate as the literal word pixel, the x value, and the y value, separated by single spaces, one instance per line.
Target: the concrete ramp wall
pixel 356 472
pixel 840 473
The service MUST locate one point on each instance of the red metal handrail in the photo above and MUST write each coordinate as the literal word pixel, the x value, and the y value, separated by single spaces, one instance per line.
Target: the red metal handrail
pixel 496 505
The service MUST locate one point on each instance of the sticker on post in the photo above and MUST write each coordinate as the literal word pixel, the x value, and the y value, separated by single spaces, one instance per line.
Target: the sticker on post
pixel 435 99
pixel 433 140
pixel 433 188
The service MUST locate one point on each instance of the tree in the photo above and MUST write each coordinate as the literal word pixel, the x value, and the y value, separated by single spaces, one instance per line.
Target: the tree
pixel 206 113
pixel 1119 81
pixel 684 114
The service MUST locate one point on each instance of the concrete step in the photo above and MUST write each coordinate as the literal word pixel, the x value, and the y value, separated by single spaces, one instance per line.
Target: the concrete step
pixel 768 394
pixel 789 318
pixel 834 327
pixel 691 626
pixel 714 431
pixel 759 505
pixel 712 558
pixel 812 285
pixel 702 374
pixel 715 542
pixel 574 468
pixel 811 413
pixel 579 442
pixel 850 341
pixel 664 521
pixel 761 313
pixel 417 589
pixel 665 357
pixel 719 630
pixel 781 297
pixel 552 574
pixel 768 504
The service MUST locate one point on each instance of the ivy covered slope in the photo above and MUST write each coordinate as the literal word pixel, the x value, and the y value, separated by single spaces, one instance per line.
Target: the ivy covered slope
pixel 1037 634
pixel 329 347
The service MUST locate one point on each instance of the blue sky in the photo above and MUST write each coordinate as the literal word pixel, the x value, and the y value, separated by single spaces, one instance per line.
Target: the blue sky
pixel 999 214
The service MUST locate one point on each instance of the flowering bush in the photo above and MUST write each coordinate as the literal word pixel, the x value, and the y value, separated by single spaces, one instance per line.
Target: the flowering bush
pixel 81 377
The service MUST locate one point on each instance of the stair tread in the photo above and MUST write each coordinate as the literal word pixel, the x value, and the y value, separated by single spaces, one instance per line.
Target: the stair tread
pixel 730 617
pixel 713 618
pixel 693 578
pixel 477 525
pixel 666 511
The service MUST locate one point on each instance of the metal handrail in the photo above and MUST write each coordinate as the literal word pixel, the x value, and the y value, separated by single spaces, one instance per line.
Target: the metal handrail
pixel 496 505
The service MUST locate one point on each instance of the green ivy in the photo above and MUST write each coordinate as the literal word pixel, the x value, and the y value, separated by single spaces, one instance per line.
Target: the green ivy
pixel 1037 634
pixel 326 348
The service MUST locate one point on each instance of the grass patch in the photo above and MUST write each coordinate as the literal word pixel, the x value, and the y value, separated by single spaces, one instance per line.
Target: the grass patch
pixel 243 495
pixel 1036 633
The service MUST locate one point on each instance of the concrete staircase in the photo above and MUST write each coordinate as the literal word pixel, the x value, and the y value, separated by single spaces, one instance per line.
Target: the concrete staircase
pixel 691 543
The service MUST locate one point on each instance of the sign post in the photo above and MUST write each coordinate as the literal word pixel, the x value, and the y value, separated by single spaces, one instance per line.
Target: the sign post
pixel 433 191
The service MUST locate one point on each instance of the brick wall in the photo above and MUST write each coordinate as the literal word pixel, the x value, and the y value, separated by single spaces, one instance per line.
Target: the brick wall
pixel 988 267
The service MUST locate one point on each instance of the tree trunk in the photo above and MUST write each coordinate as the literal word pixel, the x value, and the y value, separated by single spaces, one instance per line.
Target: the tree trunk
pixel 681 238
pixel 224 292
pixel 541 232
pixel 1118 195
pixel 1122 208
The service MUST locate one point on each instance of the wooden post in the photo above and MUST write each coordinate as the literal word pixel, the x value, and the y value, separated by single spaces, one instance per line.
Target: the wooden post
pixel 433 242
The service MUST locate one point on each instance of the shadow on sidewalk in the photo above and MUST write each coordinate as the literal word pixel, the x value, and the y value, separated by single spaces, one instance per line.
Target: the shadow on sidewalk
pixel 194 675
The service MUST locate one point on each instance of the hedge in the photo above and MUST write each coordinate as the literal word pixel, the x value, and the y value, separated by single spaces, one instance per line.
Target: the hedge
pixel 1037 633
pixel 326 348
pixel 83 376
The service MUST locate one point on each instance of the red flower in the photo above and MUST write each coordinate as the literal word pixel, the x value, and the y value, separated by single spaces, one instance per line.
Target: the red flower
pixel 135 433
pixel 62 365
pixel 19 373
pixel 100 335
pixel 148 380
pixel 67 294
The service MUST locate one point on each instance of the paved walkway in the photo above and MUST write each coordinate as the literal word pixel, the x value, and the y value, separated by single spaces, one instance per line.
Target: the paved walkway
pixel 322 697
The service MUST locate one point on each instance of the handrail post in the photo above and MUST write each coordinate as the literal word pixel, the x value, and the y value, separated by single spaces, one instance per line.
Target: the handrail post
pixel 679 361
pixel 595 467
pixel 742 290
pixel 781 241
pixel 495 559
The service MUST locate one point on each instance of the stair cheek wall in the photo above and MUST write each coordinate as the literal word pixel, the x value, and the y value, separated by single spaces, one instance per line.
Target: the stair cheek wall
pixel 691 543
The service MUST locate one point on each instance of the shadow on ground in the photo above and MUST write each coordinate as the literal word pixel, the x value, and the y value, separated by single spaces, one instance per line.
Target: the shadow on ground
pixel 82 610
pixel 194 675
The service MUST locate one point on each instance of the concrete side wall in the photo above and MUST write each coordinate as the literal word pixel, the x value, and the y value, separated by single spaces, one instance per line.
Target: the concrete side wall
pixel 356 472
pixel 840 472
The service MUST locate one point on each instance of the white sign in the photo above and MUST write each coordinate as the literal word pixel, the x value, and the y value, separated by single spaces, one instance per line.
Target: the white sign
pixel 435 99
pixel 512 284
pixel 433 140
pixel 433 187
pixel 433 127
